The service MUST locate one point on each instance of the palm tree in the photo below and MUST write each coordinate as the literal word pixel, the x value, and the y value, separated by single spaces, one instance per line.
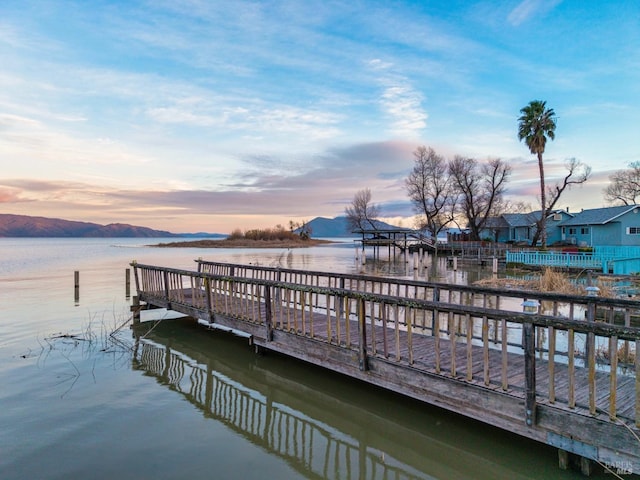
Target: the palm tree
pixel 535 125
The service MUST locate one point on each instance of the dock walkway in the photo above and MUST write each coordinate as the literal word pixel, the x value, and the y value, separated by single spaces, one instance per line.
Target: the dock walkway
pixel 551 378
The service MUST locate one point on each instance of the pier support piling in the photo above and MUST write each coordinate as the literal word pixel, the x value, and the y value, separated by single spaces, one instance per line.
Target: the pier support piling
pixel 136 309
pixel 127 283
pixel 76 286
pixel 563 459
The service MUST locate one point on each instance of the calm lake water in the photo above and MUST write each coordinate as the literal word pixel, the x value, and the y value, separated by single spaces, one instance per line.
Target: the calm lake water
pixel 175 401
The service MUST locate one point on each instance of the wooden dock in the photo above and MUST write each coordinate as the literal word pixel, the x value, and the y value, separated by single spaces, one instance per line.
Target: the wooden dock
pixel 548 377
pixel 402 239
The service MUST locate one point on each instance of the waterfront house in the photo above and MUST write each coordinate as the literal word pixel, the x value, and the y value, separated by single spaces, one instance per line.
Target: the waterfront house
pixel 611 226
pixel 521 227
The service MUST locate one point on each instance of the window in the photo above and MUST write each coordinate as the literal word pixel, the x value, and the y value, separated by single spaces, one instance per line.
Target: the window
pixel 584 231
pixel 572 230
pixel 633 230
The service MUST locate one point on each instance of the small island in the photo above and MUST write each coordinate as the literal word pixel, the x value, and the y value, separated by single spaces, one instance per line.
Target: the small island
pixel 277 237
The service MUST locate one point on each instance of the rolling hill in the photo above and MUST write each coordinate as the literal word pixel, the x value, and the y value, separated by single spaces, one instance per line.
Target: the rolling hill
pixel 27 226
pixel 322 227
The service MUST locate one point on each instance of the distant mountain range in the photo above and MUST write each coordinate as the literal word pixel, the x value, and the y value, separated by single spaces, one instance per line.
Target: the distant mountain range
pixel 27 226
pixel 322 227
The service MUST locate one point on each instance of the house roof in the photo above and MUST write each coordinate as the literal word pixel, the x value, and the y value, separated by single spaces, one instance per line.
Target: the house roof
pixel 515 220
pixel 598 216
pixel 496 222
pixel 521 219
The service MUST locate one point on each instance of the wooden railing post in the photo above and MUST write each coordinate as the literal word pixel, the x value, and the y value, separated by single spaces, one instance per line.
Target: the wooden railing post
pixel 362 331
pixel 166 284
pixel 340 307
pixel 529 346
pixel 267 313
pixel 637 362
pixel 434 323
pixel 207 286
pixel 279 280
pixel 590 358
pixel 134 264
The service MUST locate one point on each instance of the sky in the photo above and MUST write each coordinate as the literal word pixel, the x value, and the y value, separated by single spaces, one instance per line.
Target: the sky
pixel 216 115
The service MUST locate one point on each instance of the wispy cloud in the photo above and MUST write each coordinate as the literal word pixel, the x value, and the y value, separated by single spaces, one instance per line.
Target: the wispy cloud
pixel 527 9
pixel 329 181
pixel 400 101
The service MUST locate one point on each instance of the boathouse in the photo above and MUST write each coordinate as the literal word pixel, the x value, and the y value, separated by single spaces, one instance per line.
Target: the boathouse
pixel 391 239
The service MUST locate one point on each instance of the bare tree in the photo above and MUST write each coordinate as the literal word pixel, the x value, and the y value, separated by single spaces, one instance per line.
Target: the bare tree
pixel 481 188
pixel 510 206
pixel 362 214
pixel 303 229
pixel 430 189
pixel 624 188
pixel 577 174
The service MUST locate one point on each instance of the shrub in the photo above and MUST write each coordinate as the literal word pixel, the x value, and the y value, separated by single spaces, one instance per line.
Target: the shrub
pixel 236 235
pixel 278 233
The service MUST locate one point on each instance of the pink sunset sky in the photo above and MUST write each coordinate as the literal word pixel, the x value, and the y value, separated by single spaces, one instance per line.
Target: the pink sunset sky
pixel 209 116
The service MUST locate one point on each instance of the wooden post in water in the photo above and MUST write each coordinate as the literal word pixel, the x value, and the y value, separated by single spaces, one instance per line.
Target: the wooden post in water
pixel 136 309
pixel 127 283
pixel 563 459
pixel 76 286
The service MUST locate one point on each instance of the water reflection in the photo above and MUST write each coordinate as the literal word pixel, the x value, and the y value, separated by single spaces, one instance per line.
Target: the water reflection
pixel 323 425
pixel 427 268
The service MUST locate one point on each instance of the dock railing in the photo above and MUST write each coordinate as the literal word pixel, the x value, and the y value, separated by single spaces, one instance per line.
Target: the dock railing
pixel 557 259
pixel 570 364
pixel 593 308
pixel 618 260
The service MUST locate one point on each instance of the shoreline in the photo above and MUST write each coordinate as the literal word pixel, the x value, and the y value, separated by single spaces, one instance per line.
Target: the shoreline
pixel 242 243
